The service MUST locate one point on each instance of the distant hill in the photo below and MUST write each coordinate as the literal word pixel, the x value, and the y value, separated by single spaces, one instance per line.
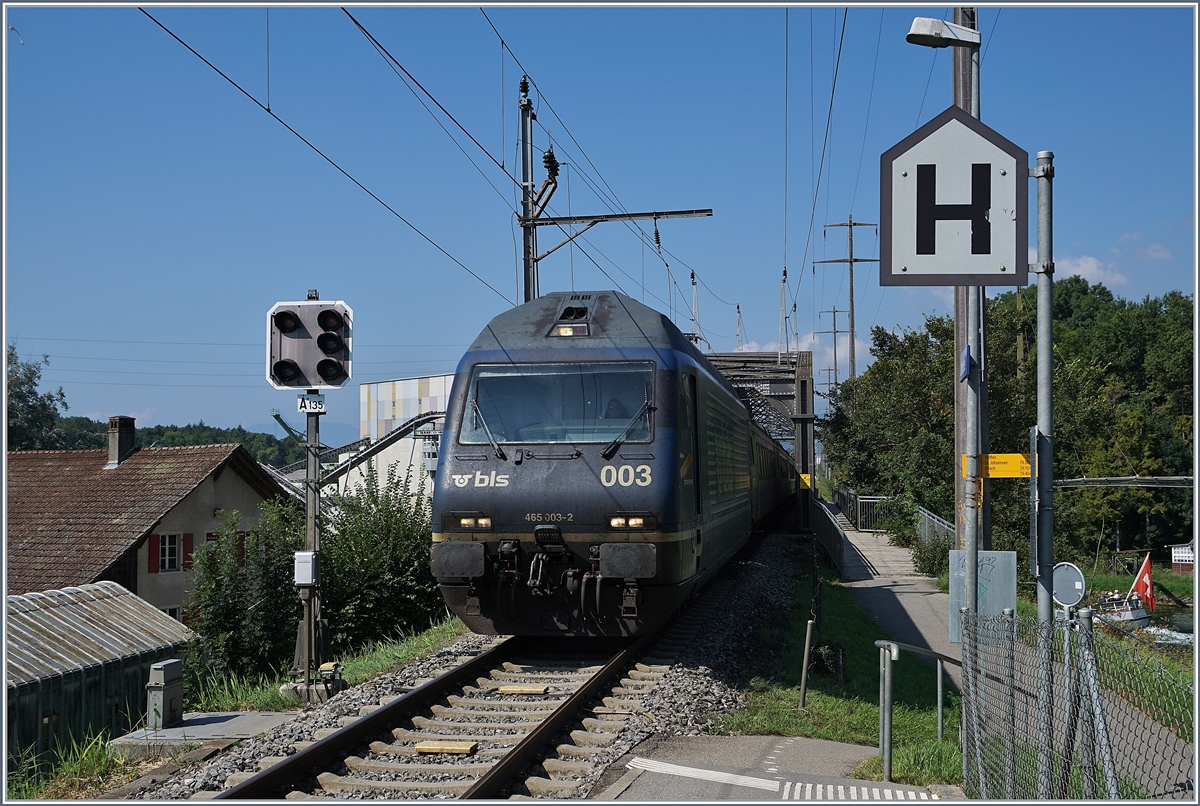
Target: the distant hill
pixel 81 432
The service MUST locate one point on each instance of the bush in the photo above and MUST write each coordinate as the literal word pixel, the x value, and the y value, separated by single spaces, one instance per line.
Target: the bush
pixel 243 606
pixel 376 580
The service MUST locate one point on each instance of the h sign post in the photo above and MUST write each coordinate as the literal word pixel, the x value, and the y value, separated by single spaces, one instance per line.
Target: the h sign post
pixel 954 203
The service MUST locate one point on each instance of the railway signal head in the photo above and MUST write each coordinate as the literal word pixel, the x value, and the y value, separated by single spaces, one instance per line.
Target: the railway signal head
pixel 309 344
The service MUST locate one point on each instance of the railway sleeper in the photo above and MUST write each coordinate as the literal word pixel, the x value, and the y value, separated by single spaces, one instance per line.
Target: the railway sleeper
pixel 506 740
pixel 540 667
pixel 584 738
pixel 546 788
pixel 565 686
pixel 356 764
pixel 603 725
pixel 502 705
pixel 475 713
pixel 538 676
pixel 580 751
pixel 562 768
pixel 334 784
pixel 638 674
pixel 426 723
pixel 409 748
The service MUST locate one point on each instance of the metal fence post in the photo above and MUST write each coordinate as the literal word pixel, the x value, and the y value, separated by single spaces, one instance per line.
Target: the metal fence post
pixel 1010 705
pixel 1045 700
pixel 807 654
pixel 1071 698
pixel 941 701
pixel 881 677
pixel 971 645
pixel 890 654
pixel 1091 673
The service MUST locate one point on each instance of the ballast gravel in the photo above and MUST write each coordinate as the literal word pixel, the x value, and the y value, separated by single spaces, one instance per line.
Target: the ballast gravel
pixel 704 684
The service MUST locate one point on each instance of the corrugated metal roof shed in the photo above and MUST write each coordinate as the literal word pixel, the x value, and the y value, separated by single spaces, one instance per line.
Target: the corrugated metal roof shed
pixel 78 660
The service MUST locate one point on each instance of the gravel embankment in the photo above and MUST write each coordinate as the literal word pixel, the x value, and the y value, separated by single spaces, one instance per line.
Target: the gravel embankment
pixel 700 688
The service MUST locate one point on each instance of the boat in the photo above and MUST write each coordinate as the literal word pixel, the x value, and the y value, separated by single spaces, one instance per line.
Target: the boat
pixel 1134 608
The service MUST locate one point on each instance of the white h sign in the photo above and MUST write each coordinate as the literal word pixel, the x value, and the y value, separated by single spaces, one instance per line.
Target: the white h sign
pixel 954 206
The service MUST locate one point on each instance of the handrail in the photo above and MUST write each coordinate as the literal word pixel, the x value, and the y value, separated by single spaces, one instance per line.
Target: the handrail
pixel 890 651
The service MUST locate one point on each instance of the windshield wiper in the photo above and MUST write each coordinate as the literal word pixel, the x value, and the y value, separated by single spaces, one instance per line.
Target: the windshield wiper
pixel 488 431
pixel 611 447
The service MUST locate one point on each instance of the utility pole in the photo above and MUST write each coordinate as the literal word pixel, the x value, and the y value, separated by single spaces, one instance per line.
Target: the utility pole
pixel 528 231
pixel 850 261
pixel 835 331
pixel 533 204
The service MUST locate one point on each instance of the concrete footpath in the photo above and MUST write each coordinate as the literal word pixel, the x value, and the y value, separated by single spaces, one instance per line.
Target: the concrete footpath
pixel 909 608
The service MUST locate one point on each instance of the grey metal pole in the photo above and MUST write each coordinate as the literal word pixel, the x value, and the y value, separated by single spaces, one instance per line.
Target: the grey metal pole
pixel 1091 674
pixel 1045 468
pixel 1045 455
pixel 1010 705
pixel 887 713
pixel 807 654
pixel 941 700
pixel 850 266
pixel 528 229
pixel 312 503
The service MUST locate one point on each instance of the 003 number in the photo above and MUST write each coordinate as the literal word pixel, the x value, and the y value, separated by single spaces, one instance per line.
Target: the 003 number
pixel 625 475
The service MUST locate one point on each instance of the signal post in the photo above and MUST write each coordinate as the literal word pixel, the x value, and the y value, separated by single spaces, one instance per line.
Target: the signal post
pixel 309 348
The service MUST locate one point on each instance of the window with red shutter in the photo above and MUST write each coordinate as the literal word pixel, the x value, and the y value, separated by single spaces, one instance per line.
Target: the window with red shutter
pixel 152 565
pixel 187 552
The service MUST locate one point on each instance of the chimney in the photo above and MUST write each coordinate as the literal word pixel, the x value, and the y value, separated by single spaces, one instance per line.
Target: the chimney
pixel 120 440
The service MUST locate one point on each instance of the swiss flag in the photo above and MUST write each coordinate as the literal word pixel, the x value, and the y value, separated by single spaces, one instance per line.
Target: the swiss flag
pixel 1143 586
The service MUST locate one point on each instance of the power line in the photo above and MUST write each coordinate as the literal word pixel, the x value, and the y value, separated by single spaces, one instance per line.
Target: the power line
pixel 339 168
pixel 389 57
pixel 867 122
pixel 821 166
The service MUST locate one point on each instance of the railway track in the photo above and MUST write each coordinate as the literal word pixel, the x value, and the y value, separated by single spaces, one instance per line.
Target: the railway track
pixel 528 717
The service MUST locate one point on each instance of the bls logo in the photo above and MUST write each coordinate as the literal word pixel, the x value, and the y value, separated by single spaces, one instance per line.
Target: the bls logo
pixel 481 479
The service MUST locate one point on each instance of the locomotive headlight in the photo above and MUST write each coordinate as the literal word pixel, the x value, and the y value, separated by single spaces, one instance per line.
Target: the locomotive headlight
pixel 629 520
pixel 467 522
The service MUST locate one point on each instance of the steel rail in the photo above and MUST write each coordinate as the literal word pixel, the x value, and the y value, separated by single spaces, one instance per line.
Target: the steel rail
pixel 495 780
pixel 266 784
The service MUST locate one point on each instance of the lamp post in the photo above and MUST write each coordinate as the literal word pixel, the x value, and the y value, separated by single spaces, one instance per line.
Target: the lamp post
pixel 970 419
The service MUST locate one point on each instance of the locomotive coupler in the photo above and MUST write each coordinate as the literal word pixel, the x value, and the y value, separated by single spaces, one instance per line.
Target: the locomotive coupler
pixel 572 579
pixel 629 600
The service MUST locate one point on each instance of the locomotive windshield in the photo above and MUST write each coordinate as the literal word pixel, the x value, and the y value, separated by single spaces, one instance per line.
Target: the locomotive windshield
pixel 559 403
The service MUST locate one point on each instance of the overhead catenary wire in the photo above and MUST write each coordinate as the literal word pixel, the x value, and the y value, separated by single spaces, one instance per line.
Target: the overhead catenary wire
pixel 323 156
pixel 824 146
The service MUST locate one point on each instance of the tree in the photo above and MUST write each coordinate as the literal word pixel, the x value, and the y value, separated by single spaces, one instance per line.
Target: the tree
pixel 32 415
pixel 1122 407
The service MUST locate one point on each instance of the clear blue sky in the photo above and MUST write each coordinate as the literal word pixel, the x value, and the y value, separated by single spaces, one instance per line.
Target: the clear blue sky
pixel 154 213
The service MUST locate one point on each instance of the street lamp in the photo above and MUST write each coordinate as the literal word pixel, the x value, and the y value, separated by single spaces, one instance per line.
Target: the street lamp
pixel 970 409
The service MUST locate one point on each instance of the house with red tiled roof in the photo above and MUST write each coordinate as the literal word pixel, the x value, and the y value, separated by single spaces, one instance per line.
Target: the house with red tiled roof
pixel 129 515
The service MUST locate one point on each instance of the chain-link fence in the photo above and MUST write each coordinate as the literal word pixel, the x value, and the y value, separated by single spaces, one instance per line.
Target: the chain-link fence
pixel 1058 711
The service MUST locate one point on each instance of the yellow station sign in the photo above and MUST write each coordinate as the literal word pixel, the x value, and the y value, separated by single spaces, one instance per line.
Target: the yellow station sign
pixel 805 481
pixel 1001 466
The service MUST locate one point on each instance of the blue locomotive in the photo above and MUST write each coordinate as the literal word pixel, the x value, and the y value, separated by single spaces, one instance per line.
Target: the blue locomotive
pixel 595 470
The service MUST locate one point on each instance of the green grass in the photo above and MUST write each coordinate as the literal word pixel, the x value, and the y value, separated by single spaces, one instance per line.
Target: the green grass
pixel 916 764
pixel 847 710
pixel 214 693
pixel 85 770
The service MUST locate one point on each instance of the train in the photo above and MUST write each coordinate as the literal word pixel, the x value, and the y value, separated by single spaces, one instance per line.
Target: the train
pixel 595 470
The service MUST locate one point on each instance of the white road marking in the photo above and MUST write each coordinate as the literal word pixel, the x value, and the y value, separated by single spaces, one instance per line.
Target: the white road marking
pixel 787 790
pixel 887 794
pixel 874 792
pixel 841 792
pixel 808 791
pixel 853 793
pixel 703 775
